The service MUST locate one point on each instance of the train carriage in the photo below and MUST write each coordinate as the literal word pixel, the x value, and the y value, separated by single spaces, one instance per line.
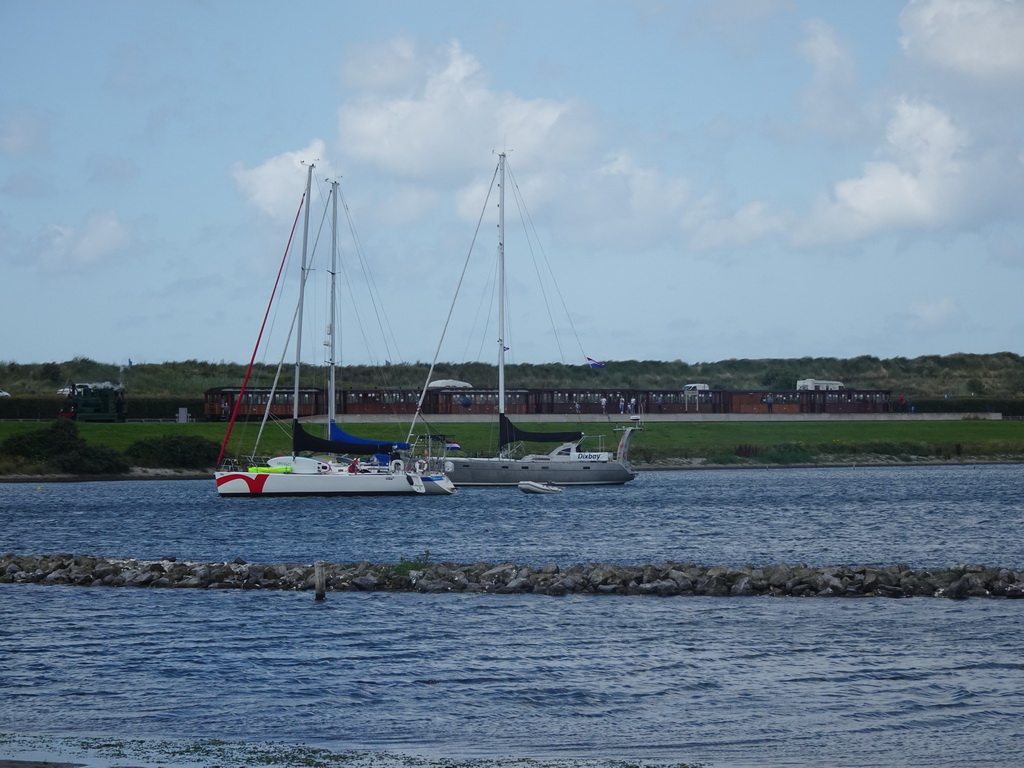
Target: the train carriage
pixel 219 402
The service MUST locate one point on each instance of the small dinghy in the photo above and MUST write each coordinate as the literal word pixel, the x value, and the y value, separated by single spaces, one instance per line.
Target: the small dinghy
pixel 534 486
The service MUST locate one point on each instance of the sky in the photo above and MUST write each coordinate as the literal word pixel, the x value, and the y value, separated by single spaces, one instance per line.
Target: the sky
pixel 708 179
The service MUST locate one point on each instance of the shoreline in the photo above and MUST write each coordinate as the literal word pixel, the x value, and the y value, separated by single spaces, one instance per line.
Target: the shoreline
pixel 145 473
pixel 136 473
pixel 667 465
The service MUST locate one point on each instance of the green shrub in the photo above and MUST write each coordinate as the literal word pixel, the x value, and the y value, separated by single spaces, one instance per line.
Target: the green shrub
pixel 57 438
pixel 58 448
pixel 92 460
pixel 421 563
pixel 30 407
pixel 174 451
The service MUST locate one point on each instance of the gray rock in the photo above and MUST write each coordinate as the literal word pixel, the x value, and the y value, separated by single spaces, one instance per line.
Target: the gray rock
pixel 365 583
pixel 665 580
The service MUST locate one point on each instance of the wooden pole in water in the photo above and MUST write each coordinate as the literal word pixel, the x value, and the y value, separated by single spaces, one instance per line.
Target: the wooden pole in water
pixel 320 579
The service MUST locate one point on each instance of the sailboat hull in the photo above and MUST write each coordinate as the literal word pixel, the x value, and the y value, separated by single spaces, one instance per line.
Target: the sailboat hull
pixel 334 484
pixel 541 469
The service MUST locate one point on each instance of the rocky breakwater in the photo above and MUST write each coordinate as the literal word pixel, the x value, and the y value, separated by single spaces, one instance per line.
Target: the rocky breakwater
pixel 665 580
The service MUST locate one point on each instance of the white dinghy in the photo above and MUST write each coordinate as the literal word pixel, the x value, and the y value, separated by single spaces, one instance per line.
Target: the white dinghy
pixel 536 486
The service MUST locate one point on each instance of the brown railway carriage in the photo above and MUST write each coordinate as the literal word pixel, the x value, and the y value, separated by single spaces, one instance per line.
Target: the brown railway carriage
pixel 219 401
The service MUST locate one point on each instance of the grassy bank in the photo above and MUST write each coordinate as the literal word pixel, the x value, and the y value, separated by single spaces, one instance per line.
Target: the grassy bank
pixel 762 439
pixel 776 442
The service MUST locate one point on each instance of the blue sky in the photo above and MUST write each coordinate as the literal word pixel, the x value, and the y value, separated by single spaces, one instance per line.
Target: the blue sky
pixel 708 180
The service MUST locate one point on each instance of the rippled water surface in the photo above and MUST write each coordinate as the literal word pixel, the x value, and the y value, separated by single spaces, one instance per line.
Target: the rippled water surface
pixel 724 681
pixel 925 517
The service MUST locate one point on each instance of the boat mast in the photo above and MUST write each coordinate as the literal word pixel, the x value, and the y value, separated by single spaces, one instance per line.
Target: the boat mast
pixel 333 316
pixel 302 294
pixel 501 283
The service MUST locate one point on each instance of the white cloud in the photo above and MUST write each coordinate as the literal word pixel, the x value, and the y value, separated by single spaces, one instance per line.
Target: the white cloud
pixel 398 68
pixel 713 229
pixel 625 204
pixel 934 314
pixel 916 182
pixel 831 98
pixel 103 236
pixel 274 186
pixel 982 39
pixel 439 116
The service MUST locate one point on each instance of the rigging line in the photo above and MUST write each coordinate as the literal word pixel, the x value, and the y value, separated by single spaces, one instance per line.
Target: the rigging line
pixel 330 342
pixel 386 333
pixel 277 378
pixel 310 266
pixel 378 304
pixel 547 263
pixel 523 217
pixel 352 304
pixel 261 367
pixel 355 313
pixel 483 315
pixel 451 308
pixel 485 308
pixel 259 337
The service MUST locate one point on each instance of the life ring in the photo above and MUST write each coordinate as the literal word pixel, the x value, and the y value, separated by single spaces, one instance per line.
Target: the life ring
pixel 421 466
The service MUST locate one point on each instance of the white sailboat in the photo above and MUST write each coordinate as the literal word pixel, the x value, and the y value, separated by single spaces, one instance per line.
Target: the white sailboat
pixel 567 464
pixel 332 470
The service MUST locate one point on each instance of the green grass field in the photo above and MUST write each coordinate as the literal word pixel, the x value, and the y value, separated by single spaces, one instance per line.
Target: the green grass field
pixel 711 438
pixel 657 441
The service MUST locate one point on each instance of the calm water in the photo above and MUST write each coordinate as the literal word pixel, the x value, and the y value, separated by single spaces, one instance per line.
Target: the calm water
pixel 724 681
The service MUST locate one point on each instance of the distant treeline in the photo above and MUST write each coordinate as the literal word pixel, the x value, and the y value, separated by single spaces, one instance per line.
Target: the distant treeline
pixel 934 376
pixel 58 448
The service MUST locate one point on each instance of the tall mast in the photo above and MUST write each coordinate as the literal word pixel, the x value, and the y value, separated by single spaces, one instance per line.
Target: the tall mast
pixel 333 315
pixel 302 295
pixel 501 283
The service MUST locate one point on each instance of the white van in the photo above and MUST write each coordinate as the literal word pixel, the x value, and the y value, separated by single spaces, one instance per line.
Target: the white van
pixel 819 384
pixel 695 388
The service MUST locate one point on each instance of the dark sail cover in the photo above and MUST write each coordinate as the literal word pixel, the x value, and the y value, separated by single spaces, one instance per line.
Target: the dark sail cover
pixel 303 441
pixel 510 433
pixel 338 435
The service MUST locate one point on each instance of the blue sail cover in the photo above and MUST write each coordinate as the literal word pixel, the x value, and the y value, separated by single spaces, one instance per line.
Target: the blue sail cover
pixel 340 442
pixel 338 435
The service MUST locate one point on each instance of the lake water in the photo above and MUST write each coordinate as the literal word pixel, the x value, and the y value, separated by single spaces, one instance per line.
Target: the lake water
pixel 501 678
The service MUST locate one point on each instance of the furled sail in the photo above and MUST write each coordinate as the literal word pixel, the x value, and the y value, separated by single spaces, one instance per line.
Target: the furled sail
pixel 510 433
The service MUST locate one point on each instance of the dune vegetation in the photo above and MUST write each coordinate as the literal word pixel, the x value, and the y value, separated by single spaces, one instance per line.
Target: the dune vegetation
pixel 959 375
